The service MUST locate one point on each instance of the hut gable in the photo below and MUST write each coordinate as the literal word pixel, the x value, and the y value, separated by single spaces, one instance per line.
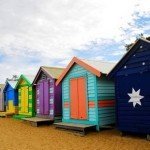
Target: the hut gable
pixel 54 72
pixel 25 79
pixel 95 67
pixel 42 76
pixel 136 60
pixel 10 85
pixel 47 72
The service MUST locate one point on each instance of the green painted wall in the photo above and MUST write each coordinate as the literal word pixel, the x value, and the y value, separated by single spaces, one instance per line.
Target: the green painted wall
pixel 31 98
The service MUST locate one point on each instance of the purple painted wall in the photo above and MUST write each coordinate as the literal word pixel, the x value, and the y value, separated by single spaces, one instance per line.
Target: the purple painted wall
pixel 58 100
pixel 48 97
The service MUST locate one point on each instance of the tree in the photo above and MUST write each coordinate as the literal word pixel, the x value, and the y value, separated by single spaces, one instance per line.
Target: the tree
pixel 128 46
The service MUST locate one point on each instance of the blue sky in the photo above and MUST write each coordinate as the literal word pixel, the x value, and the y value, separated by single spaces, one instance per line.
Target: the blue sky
pixel 50 33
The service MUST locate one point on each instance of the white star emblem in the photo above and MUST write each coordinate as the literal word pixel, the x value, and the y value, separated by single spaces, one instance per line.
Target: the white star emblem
pixel 135 97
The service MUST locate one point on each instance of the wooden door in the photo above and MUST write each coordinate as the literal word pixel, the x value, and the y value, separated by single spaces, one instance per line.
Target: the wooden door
pixel 46 97
pixel 82 99
pixel 24 99
pixel 78 98
pixel 41 97
pixel 74 98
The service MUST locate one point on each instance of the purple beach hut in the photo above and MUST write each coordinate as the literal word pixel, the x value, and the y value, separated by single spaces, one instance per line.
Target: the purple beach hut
pixel 48 95
pixel 48 103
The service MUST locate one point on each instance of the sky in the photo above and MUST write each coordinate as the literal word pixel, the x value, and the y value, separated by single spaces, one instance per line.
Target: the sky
pixel 36 33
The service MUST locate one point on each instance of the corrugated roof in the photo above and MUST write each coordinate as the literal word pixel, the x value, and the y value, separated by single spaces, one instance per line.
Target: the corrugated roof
pixel 54 72
pixel 2 85
pixel 103 67
pixel 95 67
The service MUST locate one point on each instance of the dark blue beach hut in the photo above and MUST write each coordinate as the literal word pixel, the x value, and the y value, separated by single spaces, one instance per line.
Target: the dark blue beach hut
pixel 132 88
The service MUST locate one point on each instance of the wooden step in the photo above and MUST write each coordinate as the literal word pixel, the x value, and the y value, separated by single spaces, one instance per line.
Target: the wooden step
pixel 81 128
pixel 36 121
pixel 6 114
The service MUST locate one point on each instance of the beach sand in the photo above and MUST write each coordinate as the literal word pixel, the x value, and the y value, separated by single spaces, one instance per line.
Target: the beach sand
pixel 18 135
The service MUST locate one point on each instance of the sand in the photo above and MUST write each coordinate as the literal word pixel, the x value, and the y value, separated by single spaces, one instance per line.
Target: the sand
pixel 17 135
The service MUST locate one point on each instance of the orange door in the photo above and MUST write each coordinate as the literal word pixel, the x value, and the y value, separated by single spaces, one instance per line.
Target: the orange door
pixel 82 98
pixel 78 98
pixel 74 98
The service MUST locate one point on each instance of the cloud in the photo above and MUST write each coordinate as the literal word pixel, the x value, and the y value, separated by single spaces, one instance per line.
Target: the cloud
pixel 43 32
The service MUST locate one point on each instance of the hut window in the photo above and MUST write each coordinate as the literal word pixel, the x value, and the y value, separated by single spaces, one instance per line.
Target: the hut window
pixel 51 90
pixel 141 46
pixel 38 91
pixel 134 55
pixel 51 112
pixel 30 88
pixel 30 96
pixel 51 101
pixel 43 76
pixel 51 80
pixel 38 110
pixel 143 63
pixel 38 101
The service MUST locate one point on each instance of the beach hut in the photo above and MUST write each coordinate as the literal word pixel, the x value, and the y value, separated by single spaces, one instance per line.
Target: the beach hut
pixel 48 95
pixel 11 97
pixel 1 97
pixel 88 98
pixel 26 101
pixel 132 84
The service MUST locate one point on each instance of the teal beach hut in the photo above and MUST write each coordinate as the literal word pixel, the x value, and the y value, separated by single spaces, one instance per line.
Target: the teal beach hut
pixel 88 98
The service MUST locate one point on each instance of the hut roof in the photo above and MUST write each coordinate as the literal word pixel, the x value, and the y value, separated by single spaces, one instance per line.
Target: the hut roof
pixel 126 56
pixel 2 85
pixel 53 72
pixel 96 67
pixel 101 66
pixel 28 78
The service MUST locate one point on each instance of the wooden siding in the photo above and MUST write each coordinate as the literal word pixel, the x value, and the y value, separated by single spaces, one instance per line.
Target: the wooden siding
pixel 30 96
pixel 138 62
pixel 129 118
pixel 55 97
pixel 133 73
pixel 1 99
pixel 78 71
pixel 11 99
pixel 51 91
pixel 106 96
